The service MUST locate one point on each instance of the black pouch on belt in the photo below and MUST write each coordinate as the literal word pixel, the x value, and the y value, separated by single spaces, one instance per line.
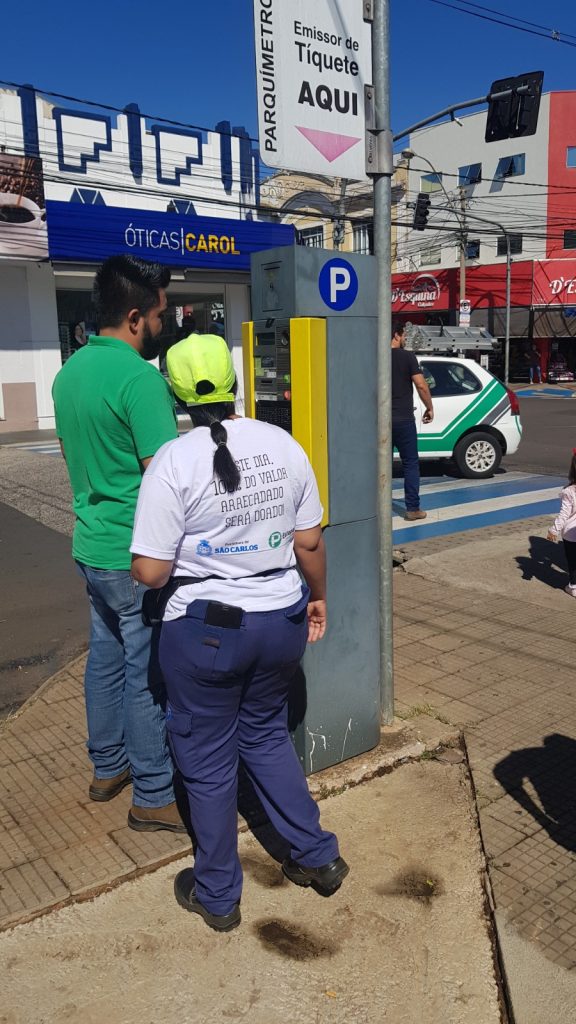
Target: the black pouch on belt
pixel 154 601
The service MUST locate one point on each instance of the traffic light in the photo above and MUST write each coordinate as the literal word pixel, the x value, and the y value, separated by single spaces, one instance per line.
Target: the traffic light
pixel 513 106
pixel 421 212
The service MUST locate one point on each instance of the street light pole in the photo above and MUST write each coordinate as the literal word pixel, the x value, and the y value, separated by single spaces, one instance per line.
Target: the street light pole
pixel 382 246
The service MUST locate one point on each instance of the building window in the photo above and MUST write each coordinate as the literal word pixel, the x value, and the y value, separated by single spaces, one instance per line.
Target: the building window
pixel 570 156
pixel 471 174
pixel 363 238
pixel 570 238
pixel 511 166
pixel 431 183
pixel 473 249
pixel 312 237
pixel 515 245
pixel 431 256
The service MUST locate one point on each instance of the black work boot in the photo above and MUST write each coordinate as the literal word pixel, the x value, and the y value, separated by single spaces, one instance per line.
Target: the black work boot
pixel 185 893
pixel 326 879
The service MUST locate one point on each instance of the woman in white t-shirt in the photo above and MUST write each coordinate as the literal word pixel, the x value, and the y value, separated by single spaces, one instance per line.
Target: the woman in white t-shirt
pixel 226 513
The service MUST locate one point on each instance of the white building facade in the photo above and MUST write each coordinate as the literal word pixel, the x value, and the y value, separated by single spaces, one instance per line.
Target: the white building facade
pixel 78 185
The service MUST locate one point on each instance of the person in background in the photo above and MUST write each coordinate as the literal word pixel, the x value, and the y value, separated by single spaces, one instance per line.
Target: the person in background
pixel 407 375
pixel 230 511
pixel 114 411
pixel 564 526
pixel 534 365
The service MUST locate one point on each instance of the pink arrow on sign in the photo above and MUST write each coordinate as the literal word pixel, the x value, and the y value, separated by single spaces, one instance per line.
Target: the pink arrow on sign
pixel 329 144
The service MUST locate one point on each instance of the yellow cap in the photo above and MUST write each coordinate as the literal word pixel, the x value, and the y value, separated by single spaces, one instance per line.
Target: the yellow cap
pixel 201 360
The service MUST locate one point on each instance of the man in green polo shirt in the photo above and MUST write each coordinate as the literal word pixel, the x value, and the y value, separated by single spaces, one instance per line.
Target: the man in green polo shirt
pixel 114 410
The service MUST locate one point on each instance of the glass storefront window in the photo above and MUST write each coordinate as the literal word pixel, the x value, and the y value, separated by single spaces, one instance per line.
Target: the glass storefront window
pixel 185 313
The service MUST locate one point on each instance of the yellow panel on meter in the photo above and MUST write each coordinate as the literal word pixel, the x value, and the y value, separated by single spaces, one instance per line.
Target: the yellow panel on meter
pixel 285 384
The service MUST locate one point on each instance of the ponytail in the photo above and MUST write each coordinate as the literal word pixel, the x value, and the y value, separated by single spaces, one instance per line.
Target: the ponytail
pixel 225 469
pixel 224 466
pixel 572 470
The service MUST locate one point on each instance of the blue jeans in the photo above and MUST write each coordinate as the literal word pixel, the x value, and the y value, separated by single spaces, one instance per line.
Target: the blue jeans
pixel 228 695
pixel 124 689
pixel 405 439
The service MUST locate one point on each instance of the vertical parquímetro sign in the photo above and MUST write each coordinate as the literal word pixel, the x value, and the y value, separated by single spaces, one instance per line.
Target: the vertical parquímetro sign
pixel 313 60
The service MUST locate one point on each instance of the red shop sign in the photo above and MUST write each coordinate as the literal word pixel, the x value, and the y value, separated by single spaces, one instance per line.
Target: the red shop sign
pixel 554 283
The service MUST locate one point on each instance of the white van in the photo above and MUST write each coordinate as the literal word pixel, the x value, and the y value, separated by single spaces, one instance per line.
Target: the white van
pixel 476 419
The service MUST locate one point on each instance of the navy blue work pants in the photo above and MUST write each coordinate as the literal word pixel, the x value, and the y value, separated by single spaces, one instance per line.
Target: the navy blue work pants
pixel 405 439
pixel 228 695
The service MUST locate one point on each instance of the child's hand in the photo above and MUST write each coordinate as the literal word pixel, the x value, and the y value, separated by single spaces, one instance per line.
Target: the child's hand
pixel 552 536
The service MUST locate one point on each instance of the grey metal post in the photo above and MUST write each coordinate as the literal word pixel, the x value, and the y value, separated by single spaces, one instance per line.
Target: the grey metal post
pixel 382 245
pixel 462 248
pixel 507 329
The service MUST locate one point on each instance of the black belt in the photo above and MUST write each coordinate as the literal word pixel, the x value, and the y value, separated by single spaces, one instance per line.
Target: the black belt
pixel 155 600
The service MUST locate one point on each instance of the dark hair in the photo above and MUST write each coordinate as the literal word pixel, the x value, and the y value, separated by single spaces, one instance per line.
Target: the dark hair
pixel 398 327
pixel 124 283
pixel 211 416
pixel 572 470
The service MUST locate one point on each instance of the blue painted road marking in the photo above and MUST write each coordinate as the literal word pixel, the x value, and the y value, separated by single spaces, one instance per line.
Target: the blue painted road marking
pixel 454 506
pixel 545 392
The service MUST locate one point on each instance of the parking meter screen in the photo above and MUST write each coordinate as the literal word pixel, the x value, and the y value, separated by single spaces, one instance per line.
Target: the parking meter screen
pixel 272 377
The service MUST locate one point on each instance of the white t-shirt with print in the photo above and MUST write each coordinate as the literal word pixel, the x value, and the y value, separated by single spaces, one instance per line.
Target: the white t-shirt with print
pixel 185 514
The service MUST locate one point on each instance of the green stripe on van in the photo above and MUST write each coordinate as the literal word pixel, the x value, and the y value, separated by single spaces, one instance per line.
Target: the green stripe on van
pixel 473 415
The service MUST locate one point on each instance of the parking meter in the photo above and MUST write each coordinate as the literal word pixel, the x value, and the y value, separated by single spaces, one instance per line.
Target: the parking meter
pixel 310 360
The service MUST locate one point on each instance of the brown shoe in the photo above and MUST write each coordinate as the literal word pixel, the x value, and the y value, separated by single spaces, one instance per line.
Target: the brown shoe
pixel 107 789
pixel 417 513
pixel 154 819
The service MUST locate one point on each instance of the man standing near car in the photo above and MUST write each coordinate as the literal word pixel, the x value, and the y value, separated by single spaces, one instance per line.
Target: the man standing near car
pixel 114 410
pixel 406 374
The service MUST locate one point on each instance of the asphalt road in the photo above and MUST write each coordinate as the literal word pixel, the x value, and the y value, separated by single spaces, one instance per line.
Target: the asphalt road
pixel 549 435
pixel 43 610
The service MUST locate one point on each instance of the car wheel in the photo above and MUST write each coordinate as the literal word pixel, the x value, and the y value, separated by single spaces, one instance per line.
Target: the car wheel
pixel 478 455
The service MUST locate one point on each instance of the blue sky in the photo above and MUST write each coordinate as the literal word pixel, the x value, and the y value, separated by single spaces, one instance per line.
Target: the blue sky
pixel 193 61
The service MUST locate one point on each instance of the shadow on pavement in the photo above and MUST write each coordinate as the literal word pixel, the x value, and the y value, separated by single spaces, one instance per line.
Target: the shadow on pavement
pixel 545 562
pixel 551 772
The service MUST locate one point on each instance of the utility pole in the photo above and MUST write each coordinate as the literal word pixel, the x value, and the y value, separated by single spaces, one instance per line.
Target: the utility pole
pixel 338 229
pixel 382 245
pixel 463 242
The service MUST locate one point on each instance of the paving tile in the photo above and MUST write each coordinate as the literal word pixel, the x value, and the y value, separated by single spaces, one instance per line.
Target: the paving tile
pixel 446 641
pixel 29 888
pixel 416 695
pixel 12 749
pixel 15 847
pixel 455 686
pixel 459 713
pixel 89 865
pixel 147 848
pixel 510 813
pixel 497 837
pixel 64 688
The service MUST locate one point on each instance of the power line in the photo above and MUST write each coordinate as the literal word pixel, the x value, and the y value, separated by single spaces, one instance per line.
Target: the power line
pixel 120 110
pixel 548 33
pixel 512 17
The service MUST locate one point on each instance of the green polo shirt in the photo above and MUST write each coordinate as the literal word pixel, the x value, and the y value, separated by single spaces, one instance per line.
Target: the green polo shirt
pixel 113 409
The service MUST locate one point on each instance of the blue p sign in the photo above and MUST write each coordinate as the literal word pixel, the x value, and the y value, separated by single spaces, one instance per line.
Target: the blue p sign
pixel 338 283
